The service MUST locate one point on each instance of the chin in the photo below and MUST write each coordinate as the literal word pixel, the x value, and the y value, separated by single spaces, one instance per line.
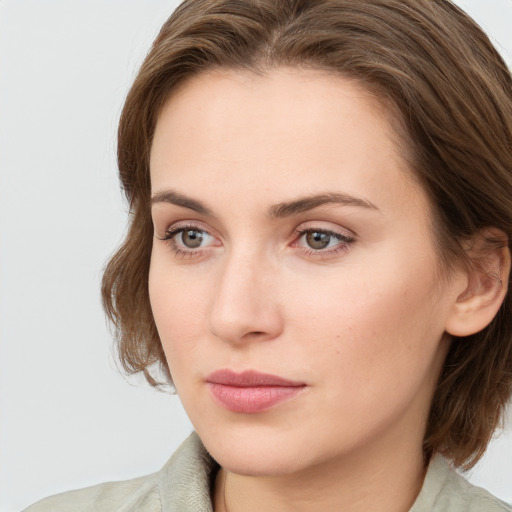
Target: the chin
pixel 256 451
pixel 260 463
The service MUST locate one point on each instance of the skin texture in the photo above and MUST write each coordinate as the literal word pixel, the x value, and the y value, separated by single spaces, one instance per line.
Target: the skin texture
pixel 361 323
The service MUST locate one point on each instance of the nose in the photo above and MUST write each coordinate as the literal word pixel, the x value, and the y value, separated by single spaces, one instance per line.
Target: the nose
pixel 245 306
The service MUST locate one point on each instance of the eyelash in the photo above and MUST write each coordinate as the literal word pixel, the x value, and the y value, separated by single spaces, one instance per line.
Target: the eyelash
pixel 344 241
pixel 169 239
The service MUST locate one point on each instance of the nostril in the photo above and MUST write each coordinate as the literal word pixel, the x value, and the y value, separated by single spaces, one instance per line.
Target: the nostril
pixel 254 334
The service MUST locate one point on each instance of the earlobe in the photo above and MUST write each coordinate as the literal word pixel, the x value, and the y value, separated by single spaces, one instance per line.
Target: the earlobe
pixel 487 284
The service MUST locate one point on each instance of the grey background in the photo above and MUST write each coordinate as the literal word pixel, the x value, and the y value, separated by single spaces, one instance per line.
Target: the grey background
pixel 68 419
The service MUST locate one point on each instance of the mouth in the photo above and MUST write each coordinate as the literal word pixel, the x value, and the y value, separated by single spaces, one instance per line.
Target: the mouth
pixel 251 392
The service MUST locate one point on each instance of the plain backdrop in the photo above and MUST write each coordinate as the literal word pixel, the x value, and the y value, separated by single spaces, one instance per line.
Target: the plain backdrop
pixel 68 418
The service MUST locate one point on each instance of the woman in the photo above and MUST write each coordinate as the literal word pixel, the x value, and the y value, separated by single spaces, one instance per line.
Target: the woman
pixel 319 255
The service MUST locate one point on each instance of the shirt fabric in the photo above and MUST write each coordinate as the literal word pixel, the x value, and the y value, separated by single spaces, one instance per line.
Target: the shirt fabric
pixel 184 485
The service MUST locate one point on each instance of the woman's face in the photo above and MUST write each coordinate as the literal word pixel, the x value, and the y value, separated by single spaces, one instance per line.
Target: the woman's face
pixel 291 241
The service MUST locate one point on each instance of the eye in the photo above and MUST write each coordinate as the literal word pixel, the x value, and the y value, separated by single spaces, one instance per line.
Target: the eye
pixel 318 240
pixel 322 242
pixel 188 240
pixel 191 238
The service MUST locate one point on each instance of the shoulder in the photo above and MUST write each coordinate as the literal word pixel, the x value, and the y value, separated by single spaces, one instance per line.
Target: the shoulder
pixel 139 494
pixel 470 498
pixel 446 490
pixel 184 483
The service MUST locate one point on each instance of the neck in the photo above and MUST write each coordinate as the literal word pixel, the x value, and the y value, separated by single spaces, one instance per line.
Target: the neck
pixel 354 484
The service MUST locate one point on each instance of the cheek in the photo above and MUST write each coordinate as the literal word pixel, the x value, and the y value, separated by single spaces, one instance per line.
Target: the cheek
pixel 179 308
pixel 372 346
pixel 385 322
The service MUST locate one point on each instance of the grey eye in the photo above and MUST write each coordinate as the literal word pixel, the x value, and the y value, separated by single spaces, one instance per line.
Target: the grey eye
pixel 317 240
pixel 192 239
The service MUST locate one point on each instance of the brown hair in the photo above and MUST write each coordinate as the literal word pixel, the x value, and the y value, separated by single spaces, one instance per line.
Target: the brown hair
pixel 453 94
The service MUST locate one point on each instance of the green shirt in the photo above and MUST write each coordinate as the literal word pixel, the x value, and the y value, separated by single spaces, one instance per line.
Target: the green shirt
pixel 184 483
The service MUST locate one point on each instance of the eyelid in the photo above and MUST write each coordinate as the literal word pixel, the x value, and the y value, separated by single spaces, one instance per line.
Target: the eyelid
pixel 344 236
pixel 196 225
pixel 326 227
pixel 179 250
pixel 171 233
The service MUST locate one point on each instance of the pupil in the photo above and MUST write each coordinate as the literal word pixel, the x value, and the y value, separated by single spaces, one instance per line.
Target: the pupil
pixel 318 240
pixel 192 239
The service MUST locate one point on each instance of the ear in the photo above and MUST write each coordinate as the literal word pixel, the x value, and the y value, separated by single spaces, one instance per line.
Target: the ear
pixel 486 283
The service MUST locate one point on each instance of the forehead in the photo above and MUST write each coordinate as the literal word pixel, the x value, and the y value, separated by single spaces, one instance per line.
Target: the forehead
pixel 289 102
pixel 288 129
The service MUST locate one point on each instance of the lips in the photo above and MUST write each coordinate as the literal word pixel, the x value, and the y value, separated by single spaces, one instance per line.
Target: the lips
pixel 251 392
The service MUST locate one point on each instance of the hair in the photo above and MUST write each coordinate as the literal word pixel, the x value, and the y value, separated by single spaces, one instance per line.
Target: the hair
pixel 450 90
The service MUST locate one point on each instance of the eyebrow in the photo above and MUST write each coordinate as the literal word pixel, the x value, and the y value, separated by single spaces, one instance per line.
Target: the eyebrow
pixel 172 197
pixel 277 211
pixel 308 203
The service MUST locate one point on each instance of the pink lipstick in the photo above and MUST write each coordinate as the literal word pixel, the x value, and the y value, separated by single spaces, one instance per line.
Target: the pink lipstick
pixel 250 391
